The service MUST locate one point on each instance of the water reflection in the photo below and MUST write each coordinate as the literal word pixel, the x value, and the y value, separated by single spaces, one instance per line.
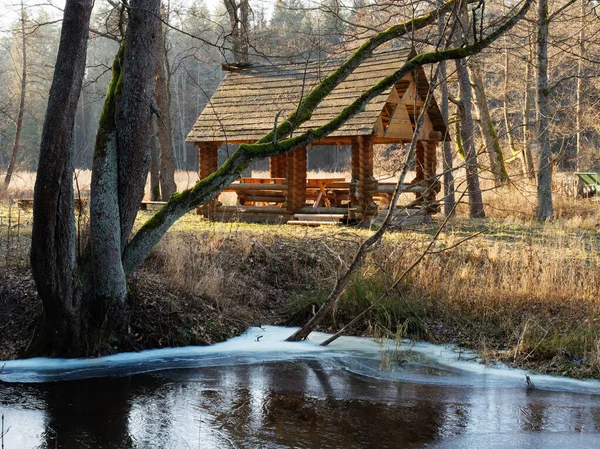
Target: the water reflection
pixel 307 404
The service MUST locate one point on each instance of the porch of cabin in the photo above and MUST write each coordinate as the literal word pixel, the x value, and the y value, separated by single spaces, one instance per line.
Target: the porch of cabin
pixel 289 195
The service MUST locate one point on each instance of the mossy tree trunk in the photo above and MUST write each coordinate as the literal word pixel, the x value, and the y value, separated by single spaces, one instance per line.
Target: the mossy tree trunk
pixel 486 125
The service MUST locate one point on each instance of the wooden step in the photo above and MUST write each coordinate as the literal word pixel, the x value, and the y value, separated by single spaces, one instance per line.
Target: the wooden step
pixel 313 223
pixel 319 217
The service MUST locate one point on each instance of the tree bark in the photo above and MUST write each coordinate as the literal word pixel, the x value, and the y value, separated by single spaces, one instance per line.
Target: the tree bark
pixel 16 143
pixel 109 281
pixel 122 157
pixel 53 234
pixel 579 106
pixel 165 131
pixel 154 170
pixel 486 125
pixel 447 158
pixel 133 114
pixel 544 188
pixel 238 19
pixel 507 125
pixel 529 168
pixel 466 136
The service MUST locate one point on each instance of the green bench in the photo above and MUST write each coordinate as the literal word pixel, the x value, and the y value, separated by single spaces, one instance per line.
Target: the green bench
pixel 591 182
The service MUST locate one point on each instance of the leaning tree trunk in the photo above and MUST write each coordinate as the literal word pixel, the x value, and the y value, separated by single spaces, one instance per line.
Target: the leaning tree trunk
pixel 486 125
pixel 165 130
pixel 15 149
pixel 53 234
pixel 544 188
pixel 466 135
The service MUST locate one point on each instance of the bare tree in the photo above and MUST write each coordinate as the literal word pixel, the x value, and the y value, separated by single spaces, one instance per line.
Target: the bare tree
pixel 162 96
pixel 486 125
pixel 19 124
pixel 238 13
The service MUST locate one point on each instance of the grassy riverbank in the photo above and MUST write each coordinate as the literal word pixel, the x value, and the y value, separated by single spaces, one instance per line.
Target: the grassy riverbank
pixel 518 290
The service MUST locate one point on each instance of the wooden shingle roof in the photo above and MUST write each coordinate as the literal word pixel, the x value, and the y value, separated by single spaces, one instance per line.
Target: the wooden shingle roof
pixel 247 101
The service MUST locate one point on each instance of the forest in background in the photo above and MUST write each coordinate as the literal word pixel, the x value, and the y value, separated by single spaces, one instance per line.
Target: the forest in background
pixel 198 41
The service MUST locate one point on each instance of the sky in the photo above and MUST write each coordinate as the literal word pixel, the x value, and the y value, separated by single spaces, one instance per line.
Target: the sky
pixel 10 9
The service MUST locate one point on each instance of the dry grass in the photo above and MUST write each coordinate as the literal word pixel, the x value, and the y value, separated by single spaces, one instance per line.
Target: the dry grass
pixel 521 287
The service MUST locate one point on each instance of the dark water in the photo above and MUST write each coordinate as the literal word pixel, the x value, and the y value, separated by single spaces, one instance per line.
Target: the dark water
pixel 299 404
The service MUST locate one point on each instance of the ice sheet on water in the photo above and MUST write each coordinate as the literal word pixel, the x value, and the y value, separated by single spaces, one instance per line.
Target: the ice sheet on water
pixel 426 363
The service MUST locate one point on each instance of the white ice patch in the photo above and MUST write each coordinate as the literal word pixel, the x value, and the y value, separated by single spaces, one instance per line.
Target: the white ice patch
pixel 426 363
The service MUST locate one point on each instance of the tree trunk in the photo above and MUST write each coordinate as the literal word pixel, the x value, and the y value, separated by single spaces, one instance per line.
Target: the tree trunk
pixel 579 108
pixel 488 130
pixel 466 135
pixel 165 133
pixel 53 234
pixel 133 114
pixel 122 157
pixel 238 19
pixel 15 149
pixel 154 170
pixel 544 188
pixel 447 159
pixel 529 168
pixel 109 281
pixel 507 125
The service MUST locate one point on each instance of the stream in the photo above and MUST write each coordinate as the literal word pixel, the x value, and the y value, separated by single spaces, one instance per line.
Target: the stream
pixel 258 391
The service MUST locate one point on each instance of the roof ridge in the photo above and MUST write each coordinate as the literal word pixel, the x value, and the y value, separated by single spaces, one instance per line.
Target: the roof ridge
pixel 326 60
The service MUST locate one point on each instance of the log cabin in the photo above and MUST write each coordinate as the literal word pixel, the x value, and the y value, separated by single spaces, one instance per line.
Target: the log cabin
pixel 248 101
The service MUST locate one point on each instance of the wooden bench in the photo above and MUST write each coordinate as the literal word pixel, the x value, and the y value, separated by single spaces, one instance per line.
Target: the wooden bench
pixel 328 192
pixel 259 191
pixel 26 204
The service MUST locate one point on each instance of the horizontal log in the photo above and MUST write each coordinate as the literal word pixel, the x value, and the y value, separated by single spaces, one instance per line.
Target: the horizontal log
pixel 256 187
pixel 323 210
pixel 316 216
pixel 264 199
pixel 252 209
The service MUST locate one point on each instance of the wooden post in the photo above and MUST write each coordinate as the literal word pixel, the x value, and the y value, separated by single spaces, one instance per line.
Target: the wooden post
pixel 430 163
pixel 208 157
pixel 355 163
pixel 278 166
pixel 367 184
pixel 296 179
pixel 419 163
pixel 434 185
